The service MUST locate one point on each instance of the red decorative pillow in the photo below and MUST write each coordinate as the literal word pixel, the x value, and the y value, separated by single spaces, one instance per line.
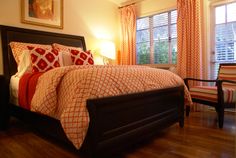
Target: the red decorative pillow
pixel 81 57
pixel 19 47
pixel 43 60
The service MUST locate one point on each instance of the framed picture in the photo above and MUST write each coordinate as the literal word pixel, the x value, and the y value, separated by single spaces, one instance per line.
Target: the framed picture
pixel 42 12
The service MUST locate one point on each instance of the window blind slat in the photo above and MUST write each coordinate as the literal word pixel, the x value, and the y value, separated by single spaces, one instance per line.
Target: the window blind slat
pixel 160 19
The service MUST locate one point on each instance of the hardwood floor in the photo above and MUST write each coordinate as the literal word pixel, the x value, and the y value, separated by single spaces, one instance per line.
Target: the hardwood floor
pixel 200 137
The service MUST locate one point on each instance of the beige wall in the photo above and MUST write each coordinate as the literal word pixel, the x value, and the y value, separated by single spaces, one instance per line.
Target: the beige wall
pixel 93 19
pixel 149 7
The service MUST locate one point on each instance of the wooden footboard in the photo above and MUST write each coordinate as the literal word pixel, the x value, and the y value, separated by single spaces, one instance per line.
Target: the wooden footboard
pixel 117 122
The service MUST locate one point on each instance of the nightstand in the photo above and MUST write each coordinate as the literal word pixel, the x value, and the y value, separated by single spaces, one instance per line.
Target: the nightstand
pixel 4 100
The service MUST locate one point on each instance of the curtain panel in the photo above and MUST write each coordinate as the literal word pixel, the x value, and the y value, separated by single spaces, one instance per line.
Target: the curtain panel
pixel 189 30
pixel 127 54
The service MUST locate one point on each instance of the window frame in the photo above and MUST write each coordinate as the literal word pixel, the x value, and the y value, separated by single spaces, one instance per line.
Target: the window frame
pixel 152 41
pixel 214 65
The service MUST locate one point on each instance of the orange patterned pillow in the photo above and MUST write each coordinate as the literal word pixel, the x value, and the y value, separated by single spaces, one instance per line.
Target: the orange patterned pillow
pixel 18 48
pixel 81 58
pixel 43 60
pixel 64 48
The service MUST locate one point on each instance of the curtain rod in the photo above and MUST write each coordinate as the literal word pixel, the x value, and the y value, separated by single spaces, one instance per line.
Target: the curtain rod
pixel 126 5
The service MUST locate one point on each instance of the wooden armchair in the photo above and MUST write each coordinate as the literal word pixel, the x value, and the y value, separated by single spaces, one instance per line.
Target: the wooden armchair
pixel 220 96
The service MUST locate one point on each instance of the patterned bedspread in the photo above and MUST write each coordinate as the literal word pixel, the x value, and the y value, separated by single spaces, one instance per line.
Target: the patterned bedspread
pixel 62 92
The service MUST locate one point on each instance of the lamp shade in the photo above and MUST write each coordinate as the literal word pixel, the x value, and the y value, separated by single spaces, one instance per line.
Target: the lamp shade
pixel 107 49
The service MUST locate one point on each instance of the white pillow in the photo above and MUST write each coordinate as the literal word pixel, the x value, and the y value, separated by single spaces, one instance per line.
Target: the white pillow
pixel 65 51
pixel 24 64
pixel 66 58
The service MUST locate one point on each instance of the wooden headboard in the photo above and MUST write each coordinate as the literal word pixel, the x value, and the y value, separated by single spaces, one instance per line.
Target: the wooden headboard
pixel 9 34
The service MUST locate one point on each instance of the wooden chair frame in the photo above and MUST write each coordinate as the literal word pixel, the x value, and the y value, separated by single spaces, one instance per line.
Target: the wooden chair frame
pixel 220 105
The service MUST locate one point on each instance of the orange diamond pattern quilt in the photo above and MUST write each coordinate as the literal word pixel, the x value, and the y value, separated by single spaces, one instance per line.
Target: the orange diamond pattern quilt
pixel 62 92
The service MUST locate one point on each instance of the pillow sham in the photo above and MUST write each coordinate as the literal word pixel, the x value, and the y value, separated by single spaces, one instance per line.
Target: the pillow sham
pixel 65 50
pixel 18 48
pixel 66 58
pixel 81 57
pixel 43 60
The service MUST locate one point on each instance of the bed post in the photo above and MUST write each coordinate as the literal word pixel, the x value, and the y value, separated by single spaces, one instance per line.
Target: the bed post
pixel 181 108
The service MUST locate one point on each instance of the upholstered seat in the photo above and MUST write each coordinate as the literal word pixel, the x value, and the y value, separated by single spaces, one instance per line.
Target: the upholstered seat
pixel 209 93
pixel 220 96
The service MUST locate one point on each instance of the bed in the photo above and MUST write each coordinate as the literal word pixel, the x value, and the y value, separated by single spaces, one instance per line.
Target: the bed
pixel 135 117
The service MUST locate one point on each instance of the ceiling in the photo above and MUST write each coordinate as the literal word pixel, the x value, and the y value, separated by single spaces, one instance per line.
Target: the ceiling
pixel 123 2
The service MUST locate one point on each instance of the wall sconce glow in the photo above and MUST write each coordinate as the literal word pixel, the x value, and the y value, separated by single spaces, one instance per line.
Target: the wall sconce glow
pixel 108 50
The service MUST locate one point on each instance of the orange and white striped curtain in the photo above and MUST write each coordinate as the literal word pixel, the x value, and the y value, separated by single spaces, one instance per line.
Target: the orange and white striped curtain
pixel 189 63
pixel 127 54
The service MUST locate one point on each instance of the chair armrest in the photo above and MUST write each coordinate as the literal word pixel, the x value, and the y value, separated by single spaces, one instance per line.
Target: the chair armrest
pixel 200 80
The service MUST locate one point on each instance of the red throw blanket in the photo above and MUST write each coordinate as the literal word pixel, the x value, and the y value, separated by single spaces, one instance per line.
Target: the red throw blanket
pixel 27 86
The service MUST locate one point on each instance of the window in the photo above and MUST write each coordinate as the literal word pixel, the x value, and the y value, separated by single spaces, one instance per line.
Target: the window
pixel 224 35
pixel 156 40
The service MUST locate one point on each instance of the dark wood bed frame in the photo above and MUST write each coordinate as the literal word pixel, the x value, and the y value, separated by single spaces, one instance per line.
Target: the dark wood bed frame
pixel 130 119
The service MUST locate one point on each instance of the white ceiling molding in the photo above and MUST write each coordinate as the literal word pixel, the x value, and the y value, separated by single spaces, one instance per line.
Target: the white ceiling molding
pixel 121 3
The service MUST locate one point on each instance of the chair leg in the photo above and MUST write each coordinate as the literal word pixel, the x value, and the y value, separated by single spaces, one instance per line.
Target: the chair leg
pixel 221 116
pixel 187 110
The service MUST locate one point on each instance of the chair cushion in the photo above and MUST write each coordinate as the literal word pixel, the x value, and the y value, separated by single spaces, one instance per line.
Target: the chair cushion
pixel 209 93
pixel 228 72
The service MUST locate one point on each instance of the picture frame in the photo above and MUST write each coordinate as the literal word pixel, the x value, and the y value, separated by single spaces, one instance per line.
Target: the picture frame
pixel 48 13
